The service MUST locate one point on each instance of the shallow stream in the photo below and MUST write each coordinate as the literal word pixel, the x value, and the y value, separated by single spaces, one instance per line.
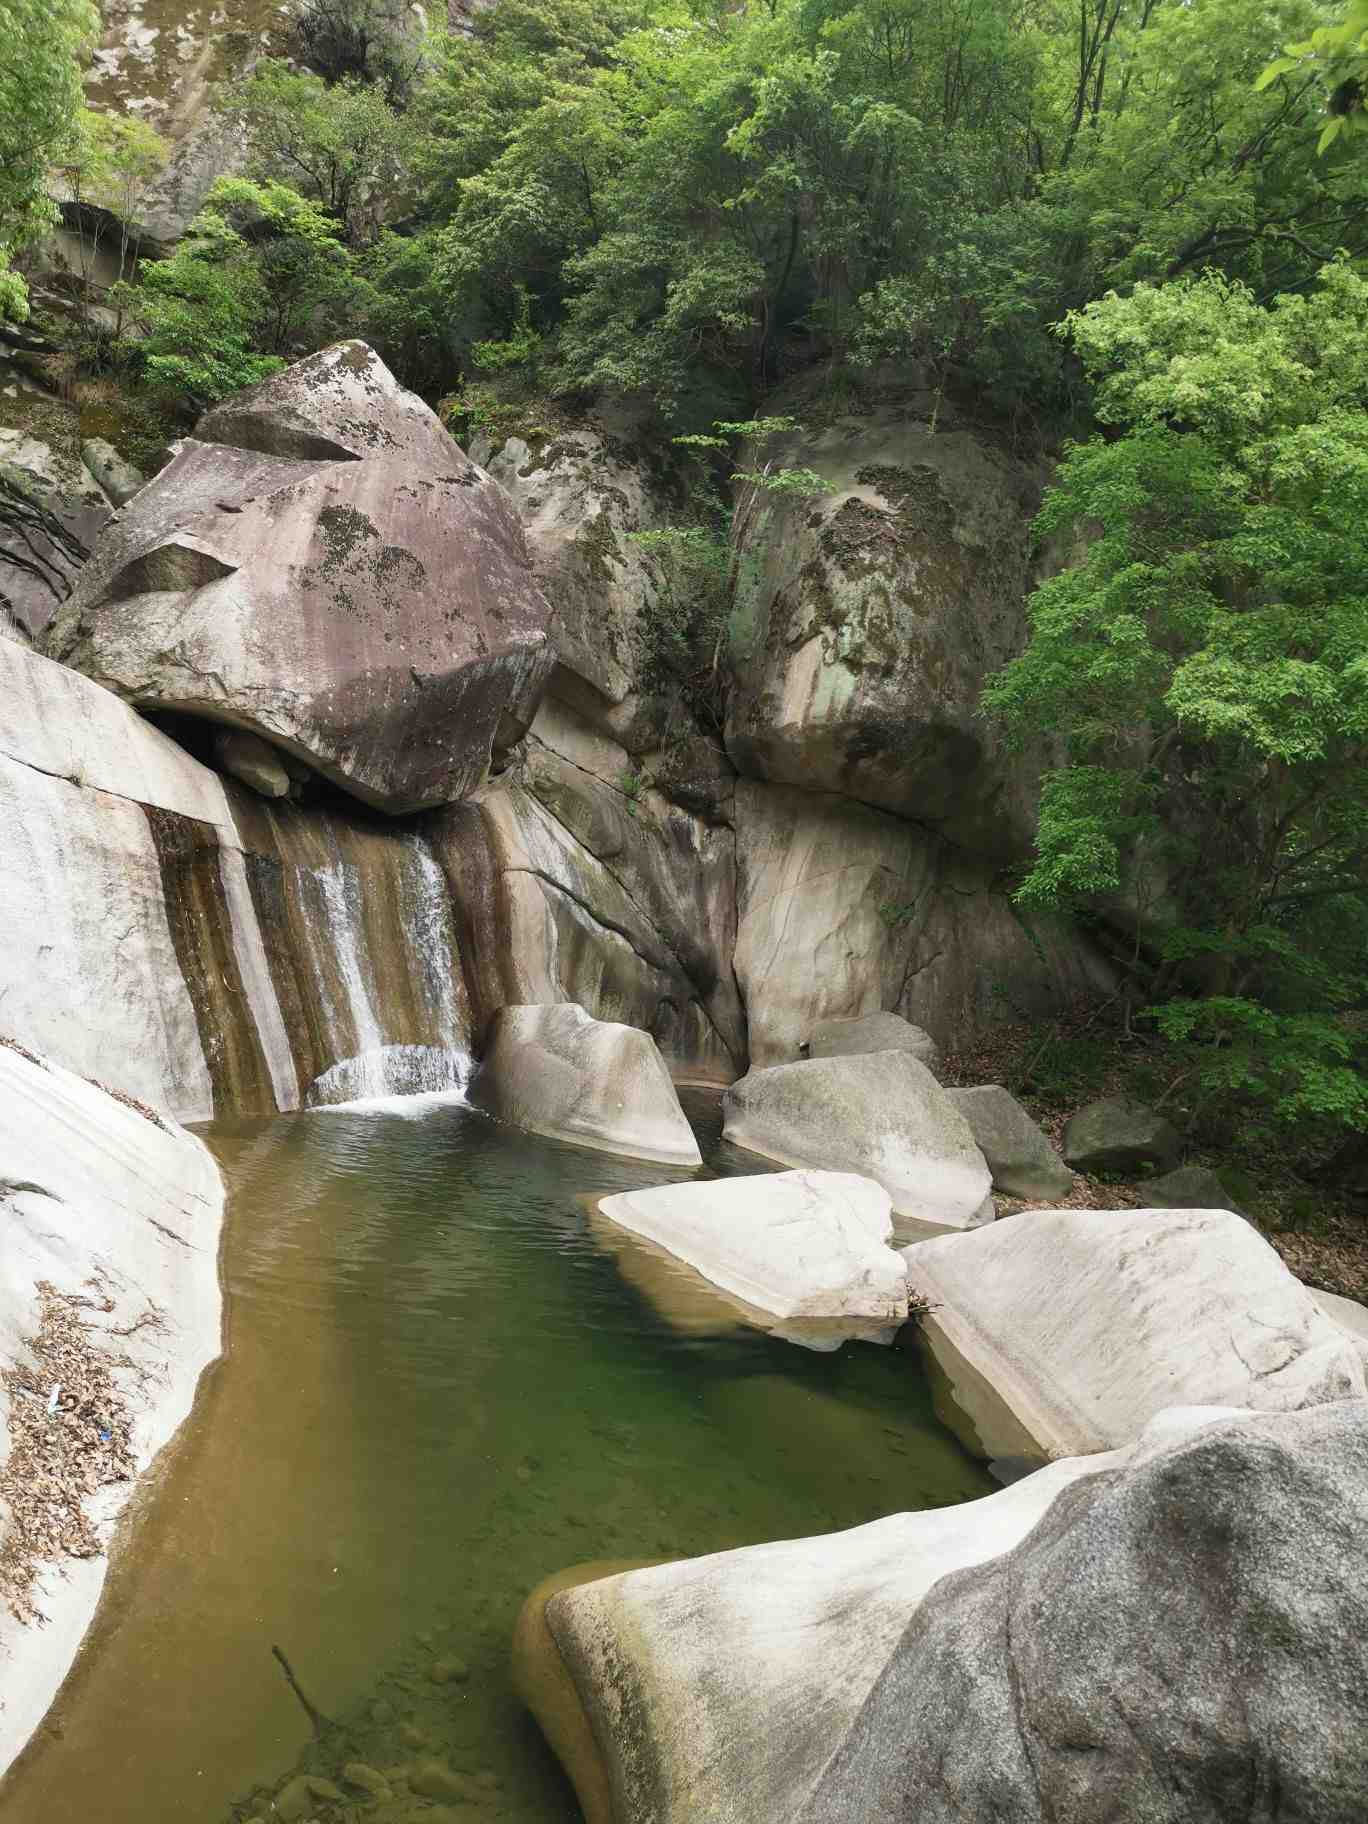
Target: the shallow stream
pixel 441 1386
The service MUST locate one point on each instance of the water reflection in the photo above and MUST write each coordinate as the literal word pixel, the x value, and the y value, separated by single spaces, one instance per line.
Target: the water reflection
pixel 440 1389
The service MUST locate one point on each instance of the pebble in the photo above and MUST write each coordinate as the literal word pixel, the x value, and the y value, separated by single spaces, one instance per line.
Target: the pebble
pixel 434 1780
pixel 369 1779
pixel 295 1800
pixel 324 1789
pixel 413 1737
pixel 449 1672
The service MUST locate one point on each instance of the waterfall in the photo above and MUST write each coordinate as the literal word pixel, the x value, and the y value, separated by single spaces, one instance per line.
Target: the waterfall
pixel 382 976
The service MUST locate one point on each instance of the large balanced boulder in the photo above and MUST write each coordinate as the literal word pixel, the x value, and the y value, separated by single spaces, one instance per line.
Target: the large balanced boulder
pixel 800 1244
pixel 556 1071
pixel 1156 1633
pixel 1120 1134
pixel 872 1032
pixel 111 1217
pixel 881 1114
pixel 322 566
pixel 1064 1331
pixel 1019 1155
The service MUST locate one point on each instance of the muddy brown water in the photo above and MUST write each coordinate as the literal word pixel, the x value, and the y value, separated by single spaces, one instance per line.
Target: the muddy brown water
pixel 440 1387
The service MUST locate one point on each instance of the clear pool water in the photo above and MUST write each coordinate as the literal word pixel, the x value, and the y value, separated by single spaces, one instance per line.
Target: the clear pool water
pixel 441 1385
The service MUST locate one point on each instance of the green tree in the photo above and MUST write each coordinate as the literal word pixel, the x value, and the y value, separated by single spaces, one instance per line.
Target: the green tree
pixel 1205 662
pixel 260 274
pixel 342 147
pixel 109 167
pixel 41 42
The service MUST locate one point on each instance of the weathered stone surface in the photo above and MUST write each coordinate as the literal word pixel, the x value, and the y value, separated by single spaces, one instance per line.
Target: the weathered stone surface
pixel 554 1070
pixel 882 1115
pixel 112 473
pixel 51 512
pixel 135 892
pixel 1120 1134
pixel 873 1032
pixel 340 405
pixel 254 761
pixel 800 1244
pixel 1183 1640
pixel 337 578
pixel 739 1687
pixel 1348 1313
pixel 876 613
pixel 1064 1331
pixel 579 495
pixel 91 1188
pixel 1021 1159
pixel 843 911
pixel 1190 1187
pixel 568 889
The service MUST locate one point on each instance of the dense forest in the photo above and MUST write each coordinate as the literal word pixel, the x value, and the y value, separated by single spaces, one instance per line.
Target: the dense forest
pixel 1131 232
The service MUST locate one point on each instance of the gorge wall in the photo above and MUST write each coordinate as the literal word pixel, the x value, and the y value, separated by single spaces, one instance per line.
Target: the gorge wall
pixel 835 850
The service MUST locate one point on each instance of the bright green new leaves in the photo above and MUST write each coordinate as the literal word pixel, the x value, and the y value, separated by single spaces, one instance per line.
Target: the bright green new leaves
pixel 1342 52
pixel 41 42
pixel 1205 661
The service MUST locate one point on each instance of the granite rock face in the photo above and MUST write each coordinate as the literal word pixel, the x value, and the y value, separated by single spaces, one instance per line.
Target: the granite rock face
pixel 877 612
pixel 51 513
pixel 799 1244
pixel 1019 1155
pixel 556 1071
pixel 322 567
pixel 94 1191
pixel 1120 1134
pixel 1064 1331
pixel 1077 1647
pixel 881 1114
pixel 1181 1641
pixel 873 1032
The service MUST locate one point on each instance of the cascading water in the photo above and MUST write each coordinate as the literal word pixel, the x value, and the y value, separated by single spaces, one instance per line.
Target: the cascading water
pixel 420 956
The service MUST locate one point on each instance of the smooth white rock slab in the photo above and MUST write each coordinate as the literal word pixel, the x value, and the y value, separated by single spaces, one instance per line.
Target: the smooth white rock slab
pixel 1065 1331
pixel 881 1114
pixel 799 1244
pixel 557 1071
pixel 91 1187
pixel 720 1688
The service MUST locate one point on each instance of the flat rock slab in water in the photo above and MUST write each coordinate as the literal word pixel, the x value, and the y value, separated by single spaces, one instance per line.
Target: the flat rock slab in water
pixel 1063 1331
pixel 800 1244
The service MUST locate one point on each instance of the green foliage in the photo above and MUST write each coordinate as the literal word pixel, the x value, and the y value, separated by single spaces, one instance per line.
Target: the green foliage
pixel 342 148
pixel 222 310
pixel 1341 52
pixel 682 637
pixel 356 41
pixel 40 98
pixel 1205 660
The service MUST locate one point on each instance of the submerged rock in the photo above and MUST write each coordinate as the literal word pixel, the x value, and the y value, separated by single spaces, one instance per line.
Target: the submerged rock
pixel 1089 1616
pixel 1120 1134
pixel 1063 1331
pixel 556 1071
pixel 873 1032
pixel 1021 1159
pixel 881 1114
pixel 322 565
pixel 800 1244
